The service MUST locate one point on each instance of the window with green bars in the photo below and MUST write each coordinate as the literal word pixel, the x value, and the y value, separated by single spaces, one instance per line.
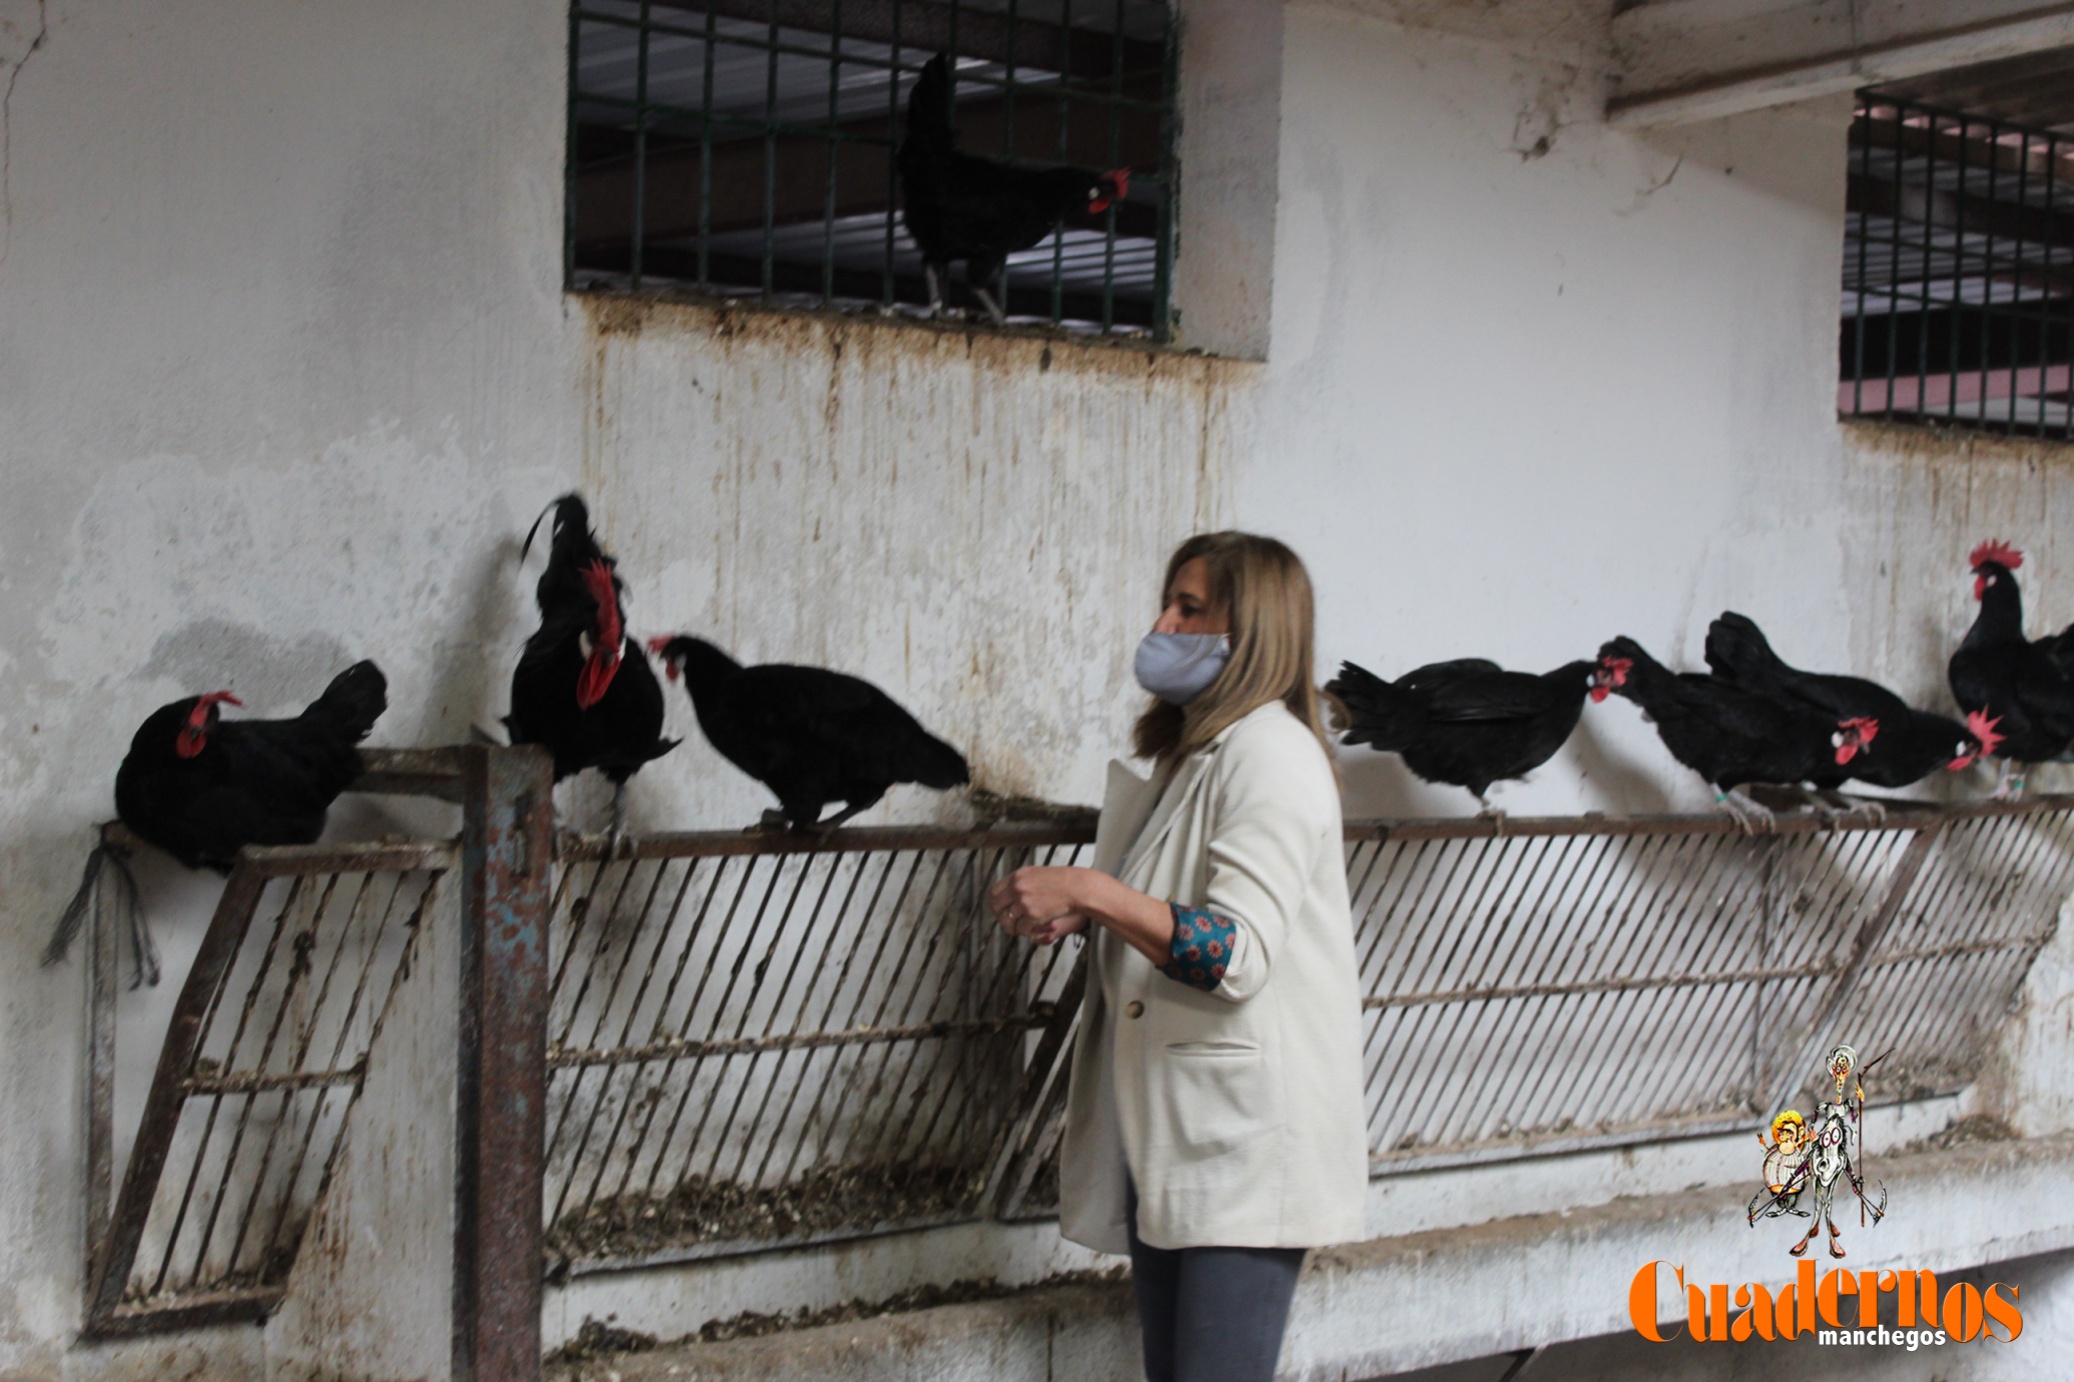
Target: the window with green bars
pixel 778 151
pixel 1958 301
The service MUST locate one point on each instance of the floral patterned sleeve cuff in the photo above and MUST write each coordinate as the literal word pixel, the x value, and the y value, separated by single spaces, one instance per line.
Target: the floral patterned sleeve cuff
pixel 1201 948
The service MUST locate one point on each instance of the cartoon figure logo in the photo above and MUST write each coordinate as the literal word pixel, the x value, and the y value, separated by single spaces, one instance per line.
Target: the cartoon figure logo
pixel 1801 1155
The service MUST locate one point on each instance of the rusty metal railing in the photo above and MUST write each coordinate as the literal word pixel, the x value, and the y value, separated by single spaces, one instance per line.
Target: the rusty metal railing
pixel 1589 982
pixel 717 1043
pixel 760 1040
pixel 265 1058
pixel 269 1049
pixel 748 1053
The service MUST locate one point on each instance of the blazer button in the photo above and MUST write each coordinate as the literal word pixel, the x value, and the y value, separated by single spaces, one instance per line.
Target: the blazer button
pixel 1134 1009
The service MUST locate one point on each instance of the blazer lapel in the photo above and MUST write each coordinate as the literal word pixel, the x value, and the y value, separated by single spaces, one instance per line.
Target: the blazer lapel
pixel 1188 778
pixel 1126 801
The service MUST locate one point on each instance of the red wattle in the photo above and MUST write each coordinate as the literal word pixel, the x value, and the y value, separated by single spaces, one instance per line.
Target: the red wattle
pixel 598 670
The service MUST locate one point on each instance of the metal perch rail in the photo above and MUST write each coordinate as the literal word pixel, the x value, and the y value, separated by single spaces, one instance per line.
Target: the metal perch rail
pixel 748 1041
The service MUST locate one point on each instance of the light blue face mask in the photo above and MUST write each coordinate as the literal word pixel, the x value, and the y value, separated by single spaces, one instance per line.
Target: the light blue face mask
pixel 1178 667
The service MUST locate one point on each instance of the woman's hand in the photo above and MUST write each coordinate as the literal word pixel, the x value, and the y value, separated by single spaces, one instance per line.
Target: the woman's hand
pixel 1046 904
pixel 1041 904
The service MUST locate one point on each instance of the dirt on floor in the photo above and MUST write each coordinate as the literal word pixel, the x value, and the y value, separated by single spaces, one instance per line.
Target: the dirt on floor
pixel 1982 1127
pixel 706 1211
pixel 586 1358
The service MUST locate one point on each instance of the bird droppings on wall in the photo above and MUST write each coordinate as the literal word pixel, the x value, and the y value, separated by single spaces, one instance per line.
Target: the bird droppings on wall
pixel 927 505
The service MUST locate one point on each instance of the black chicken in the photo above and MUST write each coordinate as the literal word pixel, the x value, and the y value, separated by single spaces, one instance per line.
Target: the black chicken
pixel 812 736
pixel 1468 723
pixel 1728 735
pixel 1881 739
pixel 582 688
pixel 2015 685
pixel 201 787
pixel 981 210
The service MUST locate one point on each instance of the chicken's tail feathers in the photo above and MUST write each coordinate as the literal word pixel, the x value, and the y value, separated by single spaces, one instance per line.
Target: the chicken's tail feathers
pixel 929 105
pixel 352 703
pixel 933 763
pixel 1375 709
pixel 1737 649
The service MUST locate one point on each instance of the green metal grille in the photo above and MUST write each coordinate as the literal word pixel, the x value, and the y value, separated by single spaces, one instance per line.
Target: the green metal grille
pixel 1958 302
pixel 746 149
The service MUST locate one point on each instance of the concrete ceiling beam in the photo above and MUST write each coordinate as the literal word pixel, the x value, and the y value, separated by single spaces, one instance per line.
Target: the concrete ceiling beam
pixel 1687 60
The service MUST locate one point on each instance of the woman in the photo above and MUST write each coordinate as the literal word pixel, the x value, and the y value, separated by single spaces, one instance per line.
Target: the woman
pixel 1215 1125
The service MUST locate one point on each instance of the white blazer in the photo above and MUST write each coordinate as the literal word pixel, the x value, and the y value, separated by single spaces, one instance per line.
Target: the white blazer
pixel 1238 1113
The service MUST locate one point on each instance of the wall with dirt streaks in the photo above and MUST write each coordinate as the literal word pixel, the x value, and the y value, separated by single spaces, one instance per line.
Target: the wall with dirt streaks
pixel 286 370
pixel 972 521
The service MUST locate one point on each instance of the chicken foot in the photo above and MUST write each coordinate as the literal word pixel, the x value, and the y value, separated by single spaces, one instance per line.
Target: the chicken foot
pixel 1753 816
pixel 2010 787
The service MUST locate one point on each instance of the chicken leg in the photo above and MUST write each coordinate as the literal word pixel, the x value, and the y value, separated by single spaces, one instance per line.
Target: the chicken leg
pixel 1750 814
pixel 2010 787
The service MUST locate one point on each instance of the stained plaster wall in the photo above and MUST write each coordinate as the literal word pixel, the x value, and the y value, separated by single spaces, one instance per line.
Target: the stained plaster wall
pixel 285 370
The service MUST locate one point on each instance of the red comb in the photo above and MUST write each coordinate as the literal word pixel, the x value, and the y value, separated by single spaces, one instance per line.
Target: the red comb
pixel 1120 180
pixel 658 645
pixel 603 662
pixel 1982 728
pixel 1857 733
pixel 1997 551
pixel 1616 671
pixel 194 735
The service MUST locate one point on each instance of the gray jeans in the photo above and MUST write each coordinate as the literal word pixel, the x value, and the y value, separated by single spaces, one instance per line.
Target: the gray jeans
pixel 1211 1314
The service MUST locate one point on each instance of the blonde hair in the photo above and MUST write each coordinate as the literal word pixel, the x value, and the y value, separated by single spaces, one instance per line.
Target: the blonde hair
pixel 1266 594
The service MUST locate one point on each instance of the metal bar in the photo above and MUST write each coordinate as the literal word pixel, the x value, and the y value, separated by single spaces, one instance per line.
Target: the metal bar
pixel 413 928
pixel 500 1124
pixel 299 968
pixel 857 998
pixel 792 971
pixel 155 1130
pixel 412 772
pixel 103 959
pixel 714 844
pixel 1169 175
pixel 705 232
pixel 305 1038
pixel 1898 888
pixel 344 1031
pixel 1859 225
pixel 256 1082
pixel 835 991
pixel 640 226
pixel 626 1031
pixel 691 940
pixel 215 1308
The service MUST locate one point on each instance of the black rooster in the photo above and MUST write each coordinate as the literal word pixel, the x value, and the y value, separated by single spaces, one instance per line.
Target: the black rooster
pixel 1728 735
pixel 812 736
pixel 981 210
pixel 201 788
pixel 582 688
pixel 1881 740
pixel 1468 723
pixel 2016 686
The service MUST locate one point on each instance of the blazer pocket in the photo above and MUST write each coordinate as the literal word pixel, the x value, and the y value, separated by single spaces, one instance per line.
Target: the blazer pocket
pixel 1218 1096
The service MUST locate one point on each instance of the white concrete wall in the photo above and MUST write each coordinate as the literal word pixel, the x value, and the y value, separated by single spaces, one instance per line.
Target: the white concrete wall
pixel 286 369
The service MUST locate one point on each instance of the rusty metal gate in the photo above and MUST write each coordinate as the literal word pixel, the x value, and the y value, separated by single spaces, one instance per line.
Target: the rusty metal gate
pixel 719 1043
pixel 761 1040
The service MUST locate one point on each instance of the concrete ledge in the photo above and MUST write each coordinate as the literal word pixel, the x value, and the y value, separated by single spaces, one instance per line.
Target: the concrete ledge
pixel 1391 1304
